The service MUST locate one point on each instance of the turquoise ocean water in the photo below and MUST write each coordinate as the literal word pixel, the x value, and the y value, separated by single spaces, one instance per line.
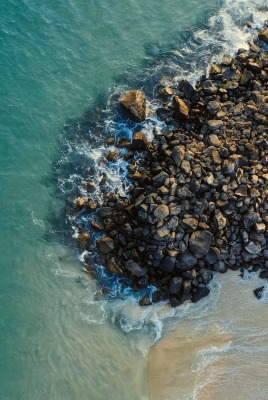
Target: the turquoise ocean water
pixel 59 59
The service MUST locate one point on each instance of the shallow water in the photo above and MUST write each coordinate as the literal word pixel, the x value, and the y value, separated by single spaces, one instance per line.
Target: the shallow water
pixel 58 338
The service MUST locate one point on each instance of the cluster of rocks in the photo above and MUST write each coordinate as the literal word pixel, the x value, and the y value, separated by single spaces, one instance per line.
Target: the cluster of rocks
pixel 199 199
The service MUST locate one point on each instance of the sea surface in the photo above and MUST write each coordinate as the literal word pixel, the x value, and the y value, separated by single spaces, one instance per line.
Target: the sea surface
pixel 62 65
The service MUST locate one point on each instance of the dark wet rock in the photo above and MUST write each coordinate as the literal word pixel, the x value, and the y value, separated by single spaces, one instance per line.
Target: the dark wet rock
pixel 258 292
pixel 200 243
pixel 168 264
pixel 145 301
pixel 114 268
pixel 246 78
pixel 187 261
pixel 213 107
pixel 110 141
pixel 200 293
pixel 105 245
pixel 81 202
pixel 175 285
pixel 210 87
pixel 263 275
pixel 161 212
pixel 214 124
pixel 139 141
pixel 213 255
pixel 134 268
pixel 159 179
pixel 113 155
pixel 263 35
pixel 135 102
pixel 83 240
pixel 91 187
pixel 96 226
pixel 178 154
pixel 187 89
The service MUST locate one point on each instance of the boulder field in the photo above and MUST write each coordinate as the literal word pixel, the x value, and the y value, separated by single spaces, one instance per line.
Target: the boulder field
pixel 199 196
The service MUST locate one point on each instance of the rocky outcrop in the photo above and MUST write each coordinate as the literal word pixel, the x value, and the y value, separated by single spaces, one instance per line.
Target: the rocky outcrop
pixel 198 201
pixel 135 102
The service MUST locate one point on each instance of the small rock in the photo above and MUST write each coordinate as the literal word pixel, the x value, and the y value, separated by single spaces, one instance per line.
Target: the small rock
pixel 134 268
pixel 214 124
pixel 175 285
pixel 187 261
pixel 113 155
pixel 105 245
pixel 200 243
pixel 139 141
pixel 161 212
pixel 186 88
pixel 159 179
pixel 180 108
pixel 210 87
pixel 200 293
pixel 263 35
pixel 258 292
pixel 83 240
pixel 81 202
pixel 253 248
pixel 178 154
pixel 114 268
pixel 145 301
pixel 168 264
pixel 96 226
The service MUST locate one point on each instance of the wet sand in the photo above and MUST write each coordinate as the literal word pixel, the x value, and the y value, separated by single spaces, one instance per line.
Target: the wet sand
pixel 218 350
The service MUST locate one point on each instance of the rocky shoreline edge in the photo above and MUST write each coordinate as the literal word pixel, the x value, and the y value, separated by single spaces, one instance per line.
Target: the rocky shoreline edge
pixel 199 196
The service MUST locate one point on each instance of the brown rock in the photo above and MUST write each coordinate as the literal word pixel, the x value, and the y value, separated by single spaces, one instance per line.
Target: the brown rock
pixel 113 155
pixel 181 109
pixel 135 102
pixel 263 35
pixel 105 245
pixel 83 240
pixel 81 202
pixel 139 141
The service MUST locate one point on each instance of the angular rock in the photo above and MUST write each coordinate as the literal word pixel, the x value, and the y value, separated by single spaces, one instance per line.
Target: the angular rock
pixel 168 264
pixel 134 268
pixel 263 35
pixel 105 245
pixel 139 141
pixel 187 261
pixel 200 293
pixel 178 154
pixel 83 240
pixel 113 155
pixel 159 179
pixel 181 109
pixel 135 102
pixel 258 292
pixel 175 285
pixel 200 242
pixel 114 268
pixel 214 124
pixel 187 89
pixel 161 212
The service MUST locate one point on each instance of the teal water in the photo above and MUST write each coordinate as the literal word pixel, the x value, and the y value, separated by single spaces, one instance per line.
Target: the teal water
pixel 58 59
